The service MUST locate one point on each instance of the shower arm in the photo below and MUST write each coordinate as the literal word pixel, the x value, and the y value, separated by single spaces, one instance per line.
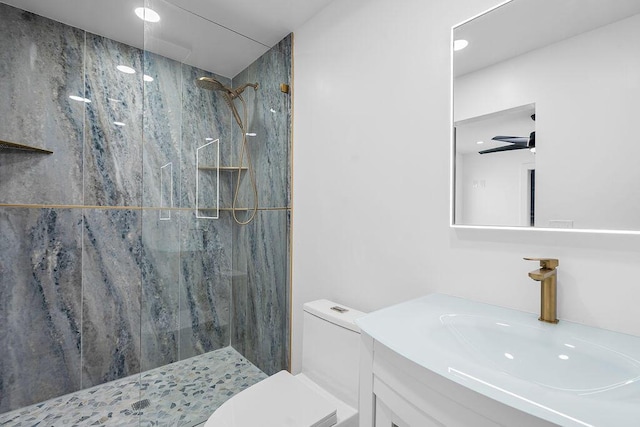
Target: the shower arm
pixel 237 91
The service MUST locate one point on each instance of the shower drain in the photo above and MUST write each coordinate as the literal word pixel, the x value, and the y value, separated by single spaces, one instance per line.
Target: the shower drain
pixel 141 404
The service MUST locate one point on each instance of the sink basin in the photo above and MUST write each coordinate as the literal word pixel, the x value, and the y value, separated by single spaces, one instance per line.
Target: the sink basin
pixel 550 357
pixel 568 374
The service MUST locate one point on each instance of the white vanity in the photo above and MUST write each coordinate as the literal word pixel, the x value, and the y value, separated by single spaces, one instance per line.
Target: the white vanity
pixel 446 361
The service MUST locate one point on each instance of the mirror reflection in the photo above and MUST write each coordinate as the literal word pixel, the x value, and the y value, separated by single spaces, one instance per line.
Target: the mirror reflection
pixel 544 109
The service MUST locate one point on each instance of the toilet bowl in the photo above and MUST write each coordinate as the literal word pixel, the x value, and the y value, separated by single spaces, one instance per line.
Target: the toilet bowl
pixel 325 394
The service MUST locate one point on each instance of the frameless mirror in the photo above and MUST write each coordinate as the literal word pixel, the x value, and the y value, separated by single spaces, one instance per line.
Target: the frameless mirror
pixel 545 111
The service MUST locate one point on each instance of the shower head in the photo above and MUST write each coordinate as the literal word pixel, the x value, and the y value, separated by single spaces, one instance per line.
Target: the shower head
pixel 228 95
pixel 210 83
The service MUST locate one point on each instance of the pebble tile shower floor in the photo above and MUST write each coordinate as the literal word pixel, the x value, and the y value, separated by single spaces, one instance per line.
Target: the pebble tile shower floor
pixel 184 393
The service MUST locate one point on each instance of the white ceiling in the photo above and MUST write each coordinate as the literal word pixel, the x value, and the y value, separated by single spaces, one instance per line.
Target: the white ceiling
pixel 521 26
pixel 222 36
pixel 513 122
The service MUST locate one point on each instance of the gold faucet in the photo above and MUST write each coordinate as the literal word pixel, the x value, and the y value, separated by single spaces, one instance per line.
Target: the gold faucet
pixel 547 275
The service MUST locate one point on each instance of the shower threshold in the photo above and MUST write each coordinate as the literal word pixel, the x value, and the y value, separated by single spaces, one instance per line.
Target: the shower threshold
pixel 183 393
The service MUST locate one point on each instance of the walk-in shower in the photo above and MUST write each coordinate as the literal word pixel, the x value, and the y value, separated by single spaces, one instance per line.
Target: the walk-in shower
pixel 209 83
pixel 124 302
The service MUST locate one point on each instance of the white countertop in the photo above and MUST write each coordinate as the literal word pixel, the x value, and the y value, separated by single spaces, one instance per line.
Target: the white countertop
pixel 568 374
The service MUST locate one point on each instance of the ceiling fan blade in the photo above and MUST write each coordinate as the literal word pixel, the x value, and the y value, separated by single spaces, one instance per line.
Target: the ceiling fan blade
pixel 505 148
pixel 519 140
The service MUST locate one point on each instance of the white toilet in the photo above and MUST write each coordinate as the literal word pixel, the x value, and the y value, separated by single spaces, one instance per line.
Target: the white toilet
pixel 325 394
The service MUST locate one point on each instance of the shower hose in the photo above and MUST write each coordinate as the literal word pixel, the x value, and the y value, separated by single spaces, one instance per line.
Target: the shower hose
pixel 252 176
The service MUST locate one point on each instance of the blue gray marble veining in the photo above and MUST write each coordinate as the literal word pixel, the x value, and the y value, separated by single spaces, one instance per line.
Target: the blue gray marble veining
pixel 112 258
pixel 40 304
pixel 269 118
pixel 113 125
pixel 205 117
pixel 41 65
pixel 260 291
pixel 205 268
pixel 160 305
pixel 162 132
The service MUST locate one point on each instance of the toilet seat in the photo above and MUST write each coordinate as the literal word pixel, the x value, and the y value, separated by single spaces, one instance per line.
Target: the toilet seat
pixel 278 401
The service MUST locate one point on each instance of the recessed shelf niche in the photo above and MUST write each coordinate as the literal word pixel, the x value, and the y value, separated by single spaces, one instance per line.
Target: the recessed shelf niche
pixel 222 168
pixel 6 145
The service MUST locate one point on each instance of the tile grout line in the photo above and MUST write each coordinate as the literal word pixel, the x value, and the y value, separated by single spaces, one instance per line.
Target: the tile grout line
pixel 132 208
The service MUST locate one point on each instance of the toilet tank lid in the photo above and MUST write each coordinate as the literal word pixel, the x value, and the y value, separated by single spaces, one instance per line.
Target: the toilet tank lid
pixel 335 313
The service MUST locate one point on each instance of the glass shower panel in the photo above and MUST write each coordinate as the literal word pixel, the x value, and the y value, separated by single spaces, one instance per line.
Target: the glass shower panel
pixel 261 281
pixel 128 293
pixel 190 302
pixel 161 230
pixel 70 274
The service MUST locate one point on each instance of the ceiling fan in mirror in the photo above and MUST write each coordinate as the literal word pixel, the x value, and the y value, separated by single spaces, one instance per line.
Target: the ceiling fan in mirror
pixel 517 142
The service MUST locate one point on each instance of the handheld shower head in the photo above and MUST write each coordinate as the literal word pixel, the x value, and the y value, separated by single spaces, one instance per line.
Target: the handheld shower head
pixel 210 83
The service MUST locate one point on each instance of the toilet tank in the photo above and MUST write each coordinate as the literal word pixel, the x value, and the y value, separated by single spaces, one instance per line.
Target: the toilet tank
pixel 331 348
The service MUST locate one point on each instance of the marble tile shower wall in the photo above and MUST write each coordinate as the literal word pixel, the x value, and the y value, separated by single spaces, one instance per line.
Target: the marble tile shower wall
pixel 269 117
pixel 260 285
pixel 95 282
pixel 41 64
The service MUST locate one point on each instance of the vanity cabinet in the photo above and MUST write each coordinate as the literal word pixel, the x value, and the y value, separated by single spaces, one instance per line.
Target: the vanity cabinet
pixel 396 392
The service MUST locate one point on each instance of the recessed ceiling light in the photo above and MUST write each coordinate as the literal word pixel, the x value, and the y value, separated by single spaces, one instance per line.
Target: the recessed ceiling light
pixel 460 44
pixel 79 98
pixel 147 78
pixel 119 124
pixel 480 142
pixel 125 69
pixel 147 14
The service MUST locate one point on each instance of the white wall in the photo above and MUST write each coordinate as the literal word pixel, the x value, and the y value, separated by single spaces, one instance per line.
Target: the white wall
pixel 586 91
pixel 495 188
pixel 371 180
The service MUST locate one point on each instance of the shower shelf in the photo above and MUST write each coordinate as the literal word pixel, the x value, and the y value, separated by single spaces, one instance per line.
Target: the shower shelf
pixel 224 209
pixel 222 168
pixel 13 146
